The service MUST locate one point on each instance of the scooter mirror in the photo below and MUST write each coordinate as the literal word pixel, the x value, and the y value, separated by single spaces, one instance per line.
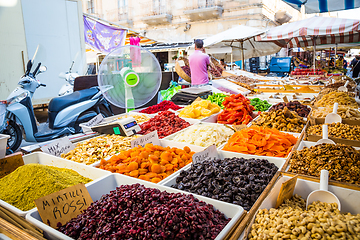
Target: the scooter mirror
pixel 42 69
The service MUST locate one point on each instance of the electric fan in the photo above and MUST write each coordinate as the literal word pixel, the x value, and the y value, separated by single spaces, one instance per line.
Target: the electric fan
pixel 129 77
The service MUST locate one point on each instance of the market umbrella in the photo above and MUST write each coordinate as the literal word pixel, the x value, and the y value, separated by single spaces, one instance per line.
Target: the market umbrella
pixel 313 31
pixel 319 6
pixel 241 38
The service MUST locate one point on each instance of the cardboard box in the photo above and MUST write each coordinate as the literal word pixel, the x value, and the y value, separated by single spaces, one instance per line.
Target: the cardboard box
pixel 304 186
pixel 315 138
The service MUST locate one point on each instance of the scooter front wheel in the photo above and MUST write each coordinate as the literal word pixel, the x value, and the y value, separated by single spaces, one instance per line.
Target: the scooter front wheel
pixel 14 131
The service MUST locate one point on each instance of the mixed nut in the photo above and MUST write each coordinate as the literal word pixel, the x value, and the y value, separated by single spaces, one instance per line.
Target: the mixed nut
pixel 342 162
pixel 337 130
pixel 344 112
pixel 292 221
pixel 233 180
pixel 282 120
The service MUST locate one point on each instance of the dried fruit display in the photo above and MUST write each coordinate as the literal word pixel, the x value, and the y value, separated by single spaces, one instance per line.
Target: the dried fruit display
pixel 216 72
pixel 149 163
pixel 260 105
pixel 139 118
pixel 162 106
pixel 329 90
pixel 205 135
pixel 200 109
pixel 261 141
pixel 300 109
pixel 95 149
pixel 344 112
pixel 351 86
pixel 137 212
pixel 342 98
pixel 234 180
pixel 187 70
pixel 282 120
pixel 243 79
pixel 165 123
pixel 342 162
pixel 338 130
pixel 237 110
pixel 292 221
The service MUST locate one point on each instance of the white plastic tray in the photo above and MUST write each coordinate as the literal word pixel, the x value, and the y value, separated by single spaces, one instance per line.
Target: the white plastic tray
pixel 227 154
pixel 109 183
pixel 171 180
pixel 349 199
pixel 49 160
pixel 172 136
pixel 166 143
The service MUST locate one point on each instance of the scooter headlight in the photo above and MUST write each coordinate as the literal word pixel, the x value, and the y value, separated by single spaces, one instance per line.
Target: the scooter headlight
pixel 18 98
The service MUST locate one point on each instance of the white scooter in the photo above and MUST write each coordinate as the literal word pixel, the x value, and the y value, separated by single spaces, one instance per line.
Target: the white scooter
pixel 64 113
pixel 69 77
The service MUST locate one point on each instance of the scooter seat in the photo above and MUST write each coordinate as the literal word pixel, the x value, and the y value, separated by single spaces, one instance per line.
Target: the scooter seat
pixel 59 103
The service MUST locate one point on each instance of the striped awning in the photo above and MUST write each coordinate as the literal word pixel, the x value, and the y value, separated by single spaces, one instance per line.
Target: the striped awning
pixel 319 6
pixel 143 40
pixel 315 30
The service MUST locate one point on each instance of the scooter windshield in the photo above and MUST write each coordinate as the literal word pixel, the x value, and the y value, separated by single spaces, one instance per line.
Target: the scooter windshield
pixel 38 57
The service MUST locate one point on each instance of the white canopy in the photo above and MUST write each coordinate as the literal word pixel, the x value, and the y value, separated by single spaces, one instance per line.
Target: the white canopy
pixel 240 38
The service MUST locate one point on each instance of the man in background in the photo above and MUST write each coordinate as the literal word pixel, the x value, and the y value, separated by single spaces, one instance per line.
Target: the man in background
pixel 355 67
pixel 199 62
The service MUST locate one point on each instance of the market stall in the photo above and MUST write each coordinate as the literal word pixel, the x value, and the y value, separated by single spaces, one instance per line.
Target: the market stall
pixel 204 169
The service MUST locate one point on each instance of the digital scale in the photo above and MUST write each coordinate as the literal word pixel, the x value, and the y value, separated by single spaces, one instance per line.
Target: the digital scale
pixel 187 95
pixel 124 127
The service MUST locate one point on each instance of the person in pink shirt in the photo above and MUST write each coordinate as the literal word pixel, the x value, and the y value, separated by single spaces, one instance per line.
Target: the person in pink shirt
pixel 199 62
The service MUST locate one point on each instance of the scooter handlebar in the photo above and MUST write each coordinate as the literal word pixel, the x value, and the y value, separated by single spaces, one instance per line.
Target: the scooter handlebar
pixel 42 85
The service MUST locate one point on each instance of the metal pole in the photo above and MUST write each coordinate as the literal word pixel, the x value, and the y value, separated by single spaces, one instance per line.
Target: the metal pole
pixel 314 53
pixel 231 59
pixel 335 54
pixel 242 56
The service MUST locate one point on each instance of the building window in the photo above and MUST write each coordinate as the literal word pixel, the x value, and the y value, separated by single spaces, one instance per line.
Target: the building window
pixel 159 7
pixel 90 7
pixel 123 9
pixel 206 3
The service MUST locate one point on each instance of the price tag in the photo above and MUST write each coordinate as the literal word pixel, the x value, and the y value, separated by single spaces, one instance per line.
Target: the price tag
pixel 238 127
pixel 208 154
pixel 58 147
pixel 198 99
pixel 94 121
pixel 148 138
pixel 286 191
pixel 62 206
pixel 285 99
pixel 10 163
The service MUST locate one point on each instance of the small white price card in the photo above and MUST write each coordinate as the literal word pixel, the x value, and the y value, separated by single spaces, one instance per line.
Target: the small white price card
pixel 148 138
pixel 208 154
pixel 58 147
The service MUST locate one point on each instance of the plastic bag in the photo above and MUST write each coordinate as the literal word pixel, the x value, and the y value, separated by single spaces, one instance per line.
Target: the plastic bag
pixel 170 92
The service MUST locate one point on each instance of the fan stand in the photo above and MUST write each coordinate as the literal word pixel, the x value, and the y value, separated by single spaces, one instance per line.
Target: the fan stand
pixel 131 80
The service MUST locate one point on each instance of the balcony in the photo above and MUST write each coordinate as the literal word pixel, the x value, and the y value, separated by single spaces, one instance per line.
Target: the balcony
pixel 119 16
pixel 203 9
pixel 163 18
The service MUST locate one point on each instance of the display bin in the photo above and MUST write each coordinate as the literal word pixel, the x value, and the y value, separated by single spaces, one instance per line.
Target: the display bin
pixel 349 198
pixel 315 138
pixel 284 160
pixel 110 182
pixel 165 143
pixel 308 144
pixel 87 129
pixel 172 136
pixel 279 162
pixel 50 160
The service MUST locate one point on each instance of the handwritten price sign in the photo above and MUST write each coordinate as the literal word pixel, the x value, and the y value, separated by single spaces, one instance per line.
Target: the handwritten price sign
pixel 148 138
pixel 58 147
pixel 60 207
pixel 208 154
